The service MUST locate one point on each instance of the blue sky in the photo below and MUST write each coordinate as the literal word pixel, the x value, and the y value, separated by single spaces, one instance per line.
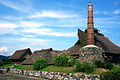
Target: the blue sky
pixel 38 24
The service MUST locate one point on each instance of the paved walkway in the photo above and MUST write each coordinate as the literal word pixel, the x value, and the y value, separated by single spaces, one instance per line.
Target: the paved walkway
pixel 8 76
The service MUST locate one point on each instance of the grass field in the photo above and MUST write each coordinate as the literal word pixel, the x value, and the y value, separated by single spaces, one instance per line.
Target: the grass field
pixel 24 67
pixel 53 68
pixel 7 65
pixel 50 68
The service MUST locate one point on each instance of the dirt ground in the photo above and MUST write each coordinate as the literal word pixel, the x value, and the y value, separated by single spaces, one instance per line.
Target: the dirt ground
pixel 17 77
pixel 100 70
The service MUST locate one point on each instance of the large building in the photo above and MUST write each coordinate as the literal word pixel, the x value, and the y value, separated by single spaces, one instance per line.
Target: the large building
pixel 20 55
pixel 91 45
pixel 48 54
pixel 92 36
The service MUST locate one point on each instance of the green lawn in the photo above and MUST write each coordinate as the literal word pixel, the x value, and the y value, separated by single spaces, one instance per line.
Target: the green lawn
pixel 7 65
pixel 24 67
pixel 50 68
pixel 53 68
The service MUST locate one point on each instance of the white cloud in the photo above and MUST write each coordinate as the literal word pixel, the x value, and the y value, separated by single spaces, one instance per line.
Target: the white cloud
pixel 51 14
pixel 29 24
pixel 37 31
pixel 60 34
pixel 28 35
pixel 12 17
pixel 109 22
pixel 33 45
pixel 3 50
pixel 117 11
pixel 7 25
pixel 119 45
pixel 49 32
pixel 19 5
pixel 30 27
pixel 101 12
pixel 65 25
pixel 32 40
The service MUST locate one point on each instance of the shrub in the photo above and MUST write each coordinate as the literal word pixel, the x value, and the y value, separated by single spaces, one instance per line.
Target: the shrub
pixel 64 61
pixel 108 65
pixel 78 67
pixel 87 68
pixel 71 61
pixel 100 64
pixel 111 75
pixel 40 64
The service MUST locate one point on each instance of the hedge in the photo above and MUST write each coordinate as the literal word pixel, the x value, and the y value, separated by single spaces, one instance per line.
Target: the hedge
pixel 111 75
pixel 40 63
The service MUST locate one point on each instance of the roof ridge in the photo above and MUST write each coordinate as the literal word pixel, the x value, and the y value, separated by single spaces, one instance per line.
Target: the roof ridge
pixel 22 49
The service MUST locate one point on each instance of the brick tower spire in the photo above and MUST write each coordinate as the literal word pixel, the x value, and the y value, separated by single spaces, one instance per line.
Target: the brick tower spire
pixel 90 24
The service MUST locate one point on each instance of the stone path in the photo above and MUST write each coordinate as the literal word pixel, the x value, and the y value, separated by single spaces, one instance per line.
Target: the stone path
pixel 17 77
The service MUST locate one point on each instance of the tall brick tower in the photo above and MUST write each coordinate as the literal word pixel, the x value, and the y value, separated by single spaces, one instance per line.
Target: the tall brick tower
pixel 90 24
pixel 90 52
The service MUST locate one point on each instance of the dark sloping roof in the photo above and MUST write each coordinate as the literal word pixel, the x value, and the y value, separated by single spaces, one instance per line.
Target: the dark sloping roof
pixel 20 53
pixel 107 45
pixel 100 41
pixel 48 54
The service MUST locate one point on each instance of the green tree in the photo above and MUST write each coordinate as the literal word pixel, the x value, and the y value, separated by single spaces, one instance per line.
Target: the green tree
pixel 40 63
